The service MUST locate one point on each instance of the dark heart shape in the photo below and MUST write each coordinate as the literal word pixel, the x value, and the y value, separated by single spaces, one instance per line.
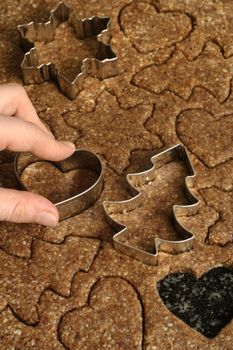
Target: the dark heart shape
pixel 205 304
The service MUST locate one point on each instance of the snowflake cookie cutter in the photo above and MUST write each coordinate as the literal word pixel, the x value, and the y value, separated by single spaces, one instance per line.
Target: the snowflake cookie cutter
pixel 134 180
pixel 80 159
pixel 103 66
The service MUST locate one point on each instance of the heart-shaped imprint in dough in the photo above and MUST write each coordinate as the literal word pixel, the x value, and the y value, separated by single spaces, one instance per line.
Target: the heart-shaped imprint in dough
pixel 205 304
pixel 111 320
pixel 209 137
pixel 149 30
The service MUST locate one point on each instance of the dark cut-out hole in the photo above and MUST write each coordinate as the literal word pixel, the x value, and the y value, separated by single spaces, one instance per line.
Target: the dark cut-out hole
pixel 205 304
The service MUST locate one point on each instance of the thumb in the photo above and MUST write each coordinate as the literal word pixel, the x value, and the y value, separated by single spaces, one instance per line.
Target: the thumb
pixel 27 207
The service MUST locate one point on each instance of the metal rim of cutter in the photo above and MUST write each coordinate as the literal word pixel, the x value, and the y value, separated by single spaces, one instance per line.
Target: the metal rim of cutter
pixel 104 65
pixel 174 247
pixel 80 159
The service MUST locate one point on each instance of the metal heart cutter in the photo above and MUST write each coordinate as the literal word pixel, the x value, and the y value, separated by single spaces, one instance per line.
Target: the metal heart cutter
pixel 104 65
pixel 80 159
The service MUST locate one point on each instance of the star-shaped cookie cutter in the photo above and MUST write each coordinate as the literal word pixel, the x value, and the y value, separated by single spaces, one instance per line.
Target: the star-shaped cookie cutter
pixel 135 180
pixel 103 66
pixel 80 159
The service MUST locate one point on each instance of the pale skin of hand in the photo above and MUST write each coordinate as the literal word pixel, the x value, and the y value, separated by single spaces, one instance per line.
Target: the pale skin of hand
pixel 21 130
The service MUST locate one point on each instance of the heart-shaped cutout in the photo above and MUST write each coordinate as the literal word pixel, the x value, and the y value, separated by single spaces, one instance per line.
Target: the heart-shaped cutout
pixel 199 129
pixel 149 30
pixel 49 181
pixel 73 184
pixel 111 320
pixel 205 304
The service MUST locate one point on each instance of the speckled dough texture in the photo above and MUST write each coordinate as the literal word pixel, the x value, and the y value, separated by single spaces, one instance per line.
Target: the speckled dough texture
pixel 67 287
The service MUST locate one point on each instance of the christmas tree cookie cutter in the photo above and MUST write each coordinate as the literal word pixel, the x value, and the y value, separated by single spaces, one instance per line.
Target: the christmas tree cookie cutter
pixel 103 66
pixel 134 180
pixel 80 159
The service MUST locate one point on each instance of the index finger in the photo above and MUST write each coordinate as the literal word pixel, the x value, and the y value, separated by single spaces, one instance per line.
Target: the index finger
pixel 14 101
pixel 20 136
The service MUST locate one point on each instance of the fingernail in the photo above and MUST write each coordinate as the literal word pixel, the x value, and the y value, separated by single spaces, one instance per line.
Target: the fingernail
pixel 46 218
pixel 69 144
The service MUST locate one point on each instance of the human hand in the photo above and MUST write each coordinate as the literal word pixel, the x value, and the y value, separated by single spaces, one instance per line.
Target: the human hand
pixel 21 130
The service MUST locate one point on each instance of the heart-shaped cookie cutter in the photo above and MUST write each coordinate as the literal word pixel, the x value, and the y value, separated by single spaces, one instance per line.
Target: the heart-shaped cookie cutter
pixel 80 159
